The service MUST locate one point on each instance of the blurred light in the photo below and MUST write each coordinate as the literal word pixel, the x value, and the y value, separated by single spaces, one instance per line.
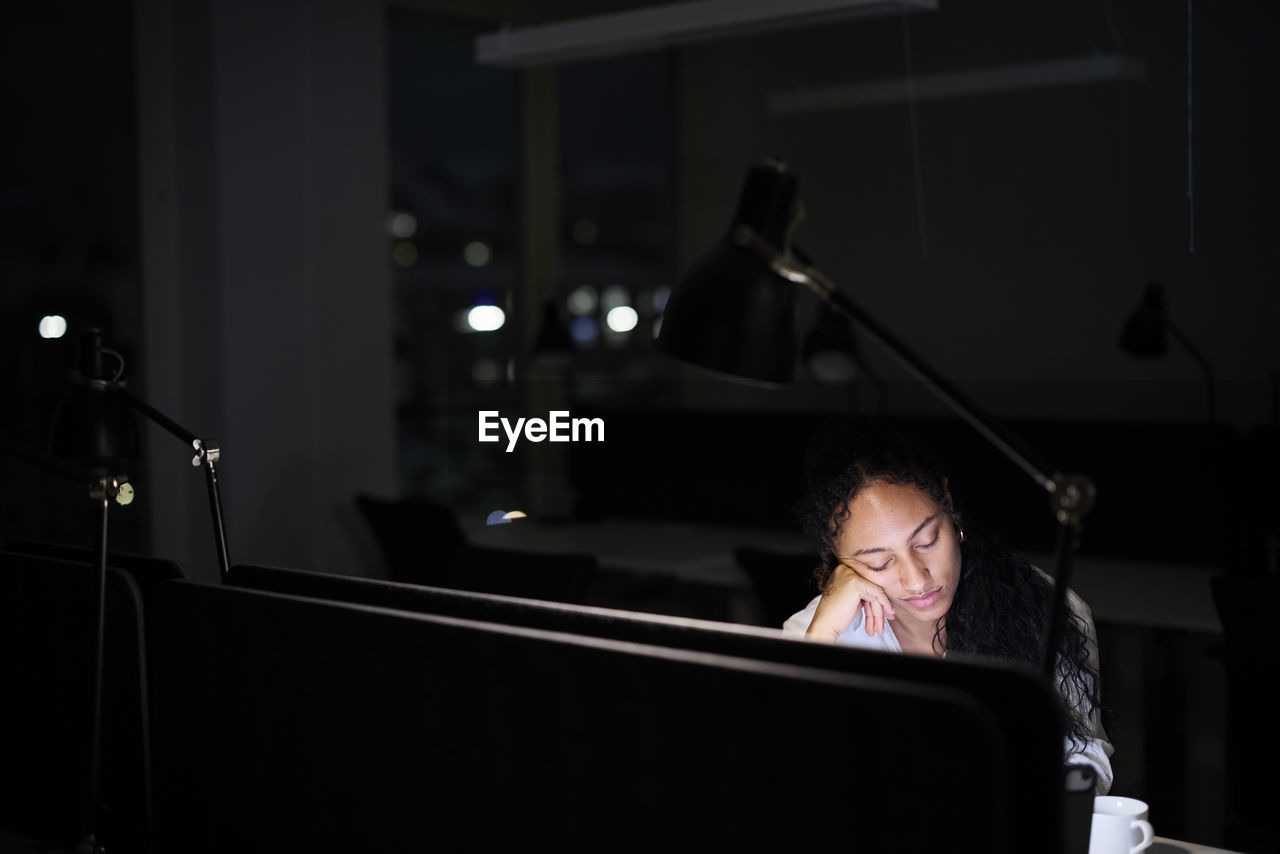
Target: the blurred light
pixel 585 232
pixel 657 327
pixel 829 351
pixel 477 253
pixel 53 326
pixel 486 318
pixel 833 366
pixel 614 296
pixel 503 517
pixel 403 225
pixel 622 318
pixel 660 297
pixel 404 253
pixel 485 371
pixel 584 330
pixel 583 300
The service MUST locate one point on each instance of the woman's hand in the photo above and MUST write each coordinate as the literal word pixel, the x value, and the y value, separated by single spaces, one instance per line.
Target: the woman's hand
pixel 846 593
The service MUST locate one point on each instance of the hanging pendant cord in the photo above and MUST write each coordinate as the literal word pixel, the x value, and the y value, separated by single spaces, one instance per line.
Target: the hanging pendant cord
pixel 1191 191
pixel 921 225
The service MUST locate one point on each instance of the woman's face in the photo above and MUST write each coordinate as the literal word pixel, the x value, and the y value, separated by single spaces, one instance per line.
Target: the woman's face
pixel 899 538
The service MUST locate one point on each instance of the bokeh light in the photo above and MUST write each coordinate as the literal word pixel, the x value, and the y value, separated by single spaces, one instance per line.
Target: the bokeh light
pixel 402 224
pixel 486 318
pixel 622 318
pixel 53 326
pixel 477 253
pixel 404 253
pixel 614 296
pixel 582 300
pixel 584 330
pixel 485 372
pixel 660 296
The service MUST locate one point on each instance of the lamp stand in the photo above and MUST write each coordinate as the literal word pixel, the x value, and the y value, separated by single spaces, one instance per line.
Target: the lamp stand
pixel 101 492
pixel 103 487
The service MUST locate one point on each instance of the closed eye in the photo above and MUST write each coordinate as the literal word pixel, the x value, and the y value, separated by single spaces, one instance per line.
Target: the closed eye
pixel 928 544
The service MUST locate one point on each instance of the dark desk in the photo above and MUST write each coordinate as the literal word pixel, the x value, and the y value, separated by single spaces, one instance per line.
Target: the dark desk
pixel 1150 615
pixel 13 844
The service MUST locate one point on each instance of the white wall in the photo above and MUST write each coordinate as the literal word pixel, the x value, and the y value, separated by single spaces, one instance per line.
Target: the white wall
pixel 267 296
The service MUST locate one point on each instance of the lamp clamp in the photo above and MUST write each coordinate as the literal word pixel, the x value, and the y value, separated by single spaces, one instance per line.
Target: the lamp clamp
pixel 1071 496
pixel 106 487
pixel 206 449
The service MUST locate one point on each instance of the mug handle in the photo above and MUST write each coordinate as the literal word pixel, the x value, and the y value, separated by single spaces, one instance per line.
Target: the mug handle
pixel 1148 835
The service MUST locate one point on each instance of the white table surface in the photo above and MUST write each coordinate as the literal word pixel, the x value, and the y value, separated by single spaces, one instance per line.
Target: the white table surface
pixel 1173 846
pixel 1143 593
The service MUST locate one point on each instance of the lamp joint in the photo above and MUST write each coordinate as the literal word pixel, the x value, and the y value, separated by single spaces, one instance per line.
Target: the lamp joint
pixel 1072 497
pixel 206 449
pixel 107 486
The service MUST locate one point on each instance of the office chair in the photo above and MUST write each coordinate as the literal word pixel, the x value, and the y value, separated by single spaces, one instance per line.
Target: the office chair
pixel 417 537
pixel 1252 663
pixel 46 654
pixel 533 575
pixel 783 583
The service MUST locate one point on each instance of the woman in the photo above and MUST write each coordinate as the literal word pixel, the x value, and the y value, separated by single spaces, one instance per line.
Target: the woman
pixel 899 573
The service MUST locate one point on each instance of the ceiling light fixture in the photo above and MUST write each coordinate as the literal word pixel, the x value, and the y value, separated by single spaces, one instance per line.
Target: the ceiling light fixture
pixel 954 84
pixel 669 24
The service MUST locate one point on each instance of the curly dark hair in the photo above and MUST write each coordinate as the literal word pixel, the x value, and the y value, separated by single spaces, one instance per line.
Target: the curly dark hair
pixel 1002 603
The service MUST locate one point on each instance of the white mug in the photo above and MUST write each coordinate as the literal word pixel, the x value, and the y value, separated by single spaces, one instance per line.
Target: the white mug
pixel 1120 826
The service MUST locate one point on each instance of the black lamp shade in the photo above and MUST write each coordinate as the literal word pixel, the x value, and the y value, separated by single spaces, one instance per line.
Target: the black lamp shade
pixel 95 428
pixel 730 312
pixel 93 424
pixel 1145 333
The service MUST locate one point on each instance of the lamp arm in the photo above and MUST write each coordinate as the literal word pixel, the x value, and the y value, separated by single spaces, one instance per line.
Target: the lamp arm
pixel 158 417
pixel 1070 496
pixel 207 455
pixel 781 266
pixel 1201 361
pixel 215 509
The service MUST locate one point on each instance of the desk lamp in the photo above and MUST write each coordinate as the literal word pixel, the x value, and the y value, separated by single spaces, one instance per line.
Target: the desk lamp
pixel 1146 332
pixel 93 428
pixel 733 313
pixel 96 410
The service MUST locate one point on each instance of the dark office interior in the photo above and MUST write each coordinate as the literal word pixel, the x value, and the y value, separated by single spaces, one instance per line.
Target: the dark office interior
pixel 326 236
